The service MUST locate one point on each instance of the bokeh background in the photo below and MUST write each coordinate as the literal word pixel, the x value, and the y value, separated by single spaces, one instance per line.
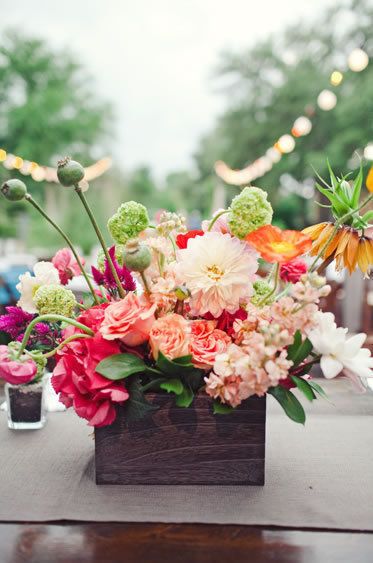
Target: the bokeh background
pixel 165 101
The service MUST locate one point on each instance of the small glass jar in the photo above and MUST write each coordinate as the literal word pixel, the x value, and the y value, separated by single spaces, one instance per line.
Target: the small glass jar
pixel 25 406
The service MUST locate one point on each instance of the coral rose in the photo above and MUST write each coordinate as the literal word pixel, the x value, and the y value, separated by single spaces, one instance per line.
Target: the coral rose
pixel 16 372
pixel 206 342
pixel 92 396
pixel 171 336
pixel 129 320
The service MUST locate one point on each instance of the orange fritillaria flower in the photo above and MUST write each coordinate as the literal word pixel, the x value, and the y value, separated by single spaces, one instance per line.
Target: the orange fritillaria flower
pixel 275 245
pixel 348 246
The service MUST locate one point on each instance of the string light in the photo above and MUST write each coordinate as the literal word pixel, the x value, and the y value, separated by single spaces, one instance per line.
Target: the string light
pixel 47 173
pixel 327 100
pixel 336 78
pixel 358 60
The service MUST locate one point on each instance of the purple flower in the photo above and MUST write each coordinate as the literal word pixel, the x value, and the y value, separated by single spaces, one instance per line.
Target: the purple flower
pixel 15 321
pixel 106 277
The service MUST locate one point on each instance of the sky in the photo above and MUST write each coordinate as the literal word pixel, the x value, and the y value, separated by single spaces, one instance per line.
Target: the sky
pixel 153 59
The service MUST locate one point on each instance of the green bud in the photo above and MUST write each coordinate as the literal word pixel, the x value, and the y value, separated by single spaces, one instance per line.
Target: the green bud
pixel 136 257
pixel 69 172
pixel 55 299
pixel 182 292
pixel 14 190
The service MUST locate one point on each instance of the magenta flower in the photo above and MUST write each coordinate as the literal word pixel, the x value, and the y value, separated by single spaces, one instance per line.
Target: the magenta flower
pixel 292 271
pixel 14 371
pixel 15 321
pixel 106 277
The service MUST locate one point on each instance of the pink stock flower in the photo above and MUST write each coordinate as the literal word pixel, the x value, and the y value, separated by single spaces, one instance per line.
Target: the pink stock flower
pixel 92 396
pixel 171 336
pixel 206 342
pixel 14 371
pixel 66 265
pixel 292 271
pixel 129 320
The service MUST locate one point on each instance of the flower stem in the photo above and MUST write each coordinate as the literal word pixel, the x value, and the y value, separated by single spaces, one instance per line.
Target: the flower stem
pixel 42 318
pixel 101 239
pixel 31 200
pixel 336 227
pixel 62 344
pixel 145 282
pixel 273 291
pixel 153 383
pixel 217 216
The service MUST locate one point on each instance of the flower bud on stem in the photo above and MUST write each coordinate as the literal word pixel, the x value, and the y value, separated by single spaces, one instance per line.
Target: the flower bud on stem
pixel 101 239
pixel 31 200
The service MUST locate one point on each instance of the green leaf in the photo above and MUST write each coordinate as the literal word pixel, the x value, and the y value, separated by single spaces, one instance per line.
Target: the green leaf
pixel 304 386
pixel 357 188
pixel 185 399
pixel 172 367
pixel 136 407
pixel 219 408
pixel 119 366
pixel 298 351
pixel 316 387
pixel 289 403
pixel 183 361
pixel 172 386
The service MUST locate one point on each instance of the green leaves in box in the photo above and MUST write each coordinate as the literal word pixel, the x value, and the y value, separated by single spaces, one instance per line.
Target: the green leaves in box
pixel 299 350
pixel 136 406
pixel 219 408
pixel 304 387
pixel 289 403
pixel 173 385
pixel 120 366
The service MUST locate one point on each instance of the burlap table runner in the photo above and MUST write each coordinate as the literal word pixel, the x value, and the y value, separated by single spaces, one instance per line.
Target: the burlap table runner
pixel 318 476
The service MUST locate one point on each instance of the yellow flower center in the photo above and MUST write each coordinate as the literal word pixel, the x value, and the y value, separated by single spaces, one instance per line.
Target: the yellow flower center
pixel 34 289
pixel 214 272
pixel 282 247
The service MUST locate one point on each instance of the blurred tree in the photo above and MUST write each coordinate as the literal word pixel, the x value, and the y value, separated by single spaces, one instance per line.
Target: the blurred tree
pixel 47 110
pixel 276 81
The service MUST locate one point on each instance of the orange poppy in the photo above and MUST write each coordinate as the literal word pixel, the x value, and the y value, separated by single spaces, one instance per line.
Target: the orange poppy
pixel 276 245
pixel 348 247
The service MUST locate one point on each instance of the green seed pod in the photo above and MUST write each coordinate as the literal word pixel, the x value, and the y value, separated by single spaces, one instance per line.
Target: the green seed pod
pixel 136 257
pixel 69 172
pixel 182 292
pixel 14 190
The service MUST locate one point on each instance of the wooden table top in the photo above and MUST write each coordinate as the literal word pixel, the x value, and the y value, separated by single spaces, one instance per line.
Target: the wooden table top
pixel 175 543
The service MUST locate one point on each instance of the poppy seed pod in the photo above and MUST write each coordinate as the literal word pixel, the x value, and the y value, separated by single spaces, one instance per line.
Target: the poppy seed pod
pixel 14 190
pixel 69 172
pixel 136 257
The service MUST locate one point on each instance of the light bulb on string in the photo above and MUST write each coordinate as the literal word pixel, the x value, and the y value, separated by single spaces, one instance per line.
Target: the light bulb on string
pixel 358 60
pixel 302 126
pixel 336 78
pixel 285 144
pixel 368 152
pixel 326 100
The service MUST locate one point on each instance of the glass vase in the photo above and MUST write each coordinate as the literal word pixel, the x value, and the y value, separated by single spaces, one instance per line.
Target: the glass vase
pixel 25 406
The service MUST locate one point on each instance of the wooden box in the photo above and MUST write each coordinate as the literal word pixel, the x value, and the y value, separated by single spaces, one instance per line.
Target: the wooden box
pixel 184 446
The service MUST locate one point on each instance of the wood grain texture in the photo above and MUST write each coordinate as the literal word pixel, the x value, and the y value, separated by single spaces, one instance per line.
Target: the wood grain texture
pixel 177 446
pixel 177 543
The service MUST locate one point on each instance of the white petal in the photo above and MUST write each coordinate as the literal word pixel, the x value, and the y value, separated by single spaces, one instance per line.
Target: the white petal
pixel 330 366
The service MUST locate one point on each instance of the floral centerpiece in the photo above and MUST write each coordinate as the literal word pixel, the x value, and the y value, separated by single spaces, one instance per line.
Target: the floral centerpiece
pixel 186 313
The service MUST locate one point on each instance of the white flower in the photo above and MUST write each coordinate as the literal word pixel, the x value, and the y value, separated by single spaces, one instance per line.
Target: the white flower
pixel 339 352
pixel 218 270
pixel 45 274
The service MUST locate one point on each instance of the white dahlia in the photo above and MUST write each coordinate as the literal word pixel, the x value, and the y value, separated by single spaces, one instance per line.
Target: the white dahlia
pixel 218 270
pixel 44 274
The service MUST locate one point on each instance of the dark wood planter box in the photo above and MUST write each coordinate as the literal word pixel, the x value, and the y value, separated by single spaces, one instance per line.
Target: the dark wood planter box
pixel 178 446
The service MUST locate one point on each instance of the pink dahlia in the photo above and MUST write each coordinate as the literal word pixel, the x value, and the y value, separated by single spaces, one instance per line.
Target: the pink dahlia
pixel 292 271
pixel 66 265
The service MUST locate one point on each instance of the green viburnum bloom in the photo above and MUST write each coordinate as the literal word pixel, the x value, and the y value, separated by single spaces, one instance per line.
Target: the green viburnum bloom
pixel 55 299
pixel 249 211
pixel 128 222
pixel 119 249
pixel 261 289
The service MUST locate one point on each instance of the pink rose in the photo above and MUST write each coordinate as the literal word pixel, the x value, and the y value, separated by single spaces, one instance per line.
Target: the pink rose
pixel 129 320
pixel 16 372
pixel 171 336
pixel 292 271
pixel 206 342
pixel 93 396
pixel 66 265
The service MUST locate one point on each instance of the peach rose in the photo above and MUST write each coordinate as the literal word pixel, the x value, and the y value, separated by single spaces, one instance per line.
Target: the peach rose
pixel 170 335
pixel 206 342
pixel 129 320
